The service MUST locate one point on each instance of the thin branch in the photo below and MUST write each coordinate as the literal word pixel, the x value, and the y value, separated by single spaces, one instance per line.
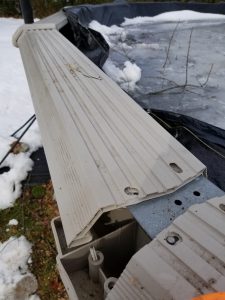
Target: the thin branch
pixel 166 89
pixel 73 69
pixel 207 79
pixel 193 86
pixel 89 76
pixel 177 86
pixel 164 78
pixel 192 92
pixel 187 59
pixel 170 42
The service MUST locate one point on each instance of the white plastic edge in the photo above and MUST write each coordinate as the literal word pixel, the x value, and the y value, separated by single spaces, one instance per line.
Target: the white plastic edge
pixel 29 27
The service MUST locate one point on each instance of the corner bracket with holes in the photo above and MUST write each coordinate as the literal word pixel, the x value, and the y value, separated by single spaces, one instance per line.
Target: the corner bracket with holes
pixel 184 260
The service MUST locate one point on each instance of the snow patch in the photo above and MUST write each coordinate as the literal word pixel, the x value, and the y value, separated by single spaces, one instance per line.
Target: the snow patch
pixel 10 182
pixel 174 16
pixel 107 31
pixel 126 77
pixel 13 222
pixel 115 36
pixel 16 108
pixel 153 46
pixel 14 254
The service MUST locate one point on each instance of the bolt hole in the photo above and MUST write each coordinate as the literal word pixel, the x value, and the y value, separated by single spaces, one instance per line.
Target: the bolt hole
pixel 4 170
pixel 176 168
pixel 222 206
pixel 173 238
pixel 211 281
pixel 197 193
pixel 111 285
pixel 178 202
pixel 131 191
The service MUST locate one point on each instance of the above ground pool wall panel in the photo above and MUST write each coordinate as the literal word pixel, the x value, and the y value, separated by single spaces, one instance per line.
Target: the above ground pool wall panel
pixel 103 150
pixel 185 260
pixel 59 19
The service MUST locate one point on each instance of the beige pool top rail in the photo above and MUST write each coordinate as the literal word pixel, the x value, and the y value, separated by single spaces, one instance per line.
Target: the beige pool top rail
pixel 103 150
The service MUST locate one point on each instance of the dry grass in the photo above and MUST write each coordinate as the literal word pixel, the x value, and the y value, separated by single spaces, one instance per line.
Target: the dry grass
pixel 34 211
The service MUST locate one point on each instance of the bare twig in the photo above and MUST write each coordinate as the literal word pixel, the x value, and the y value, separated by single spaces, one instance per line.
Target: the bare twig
pixel 170 42
pixel 73 69
pixel 192 92
pixel 193 86
pixel 166 89
pixel 187 59
pixel 177 86
pixel 208 76
pixel 89 76
pixel 164 78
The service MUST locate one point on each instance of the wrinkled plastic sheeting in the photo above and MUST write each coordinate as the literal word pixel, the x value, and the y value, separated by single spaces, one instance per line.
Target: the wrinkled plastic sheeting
pixel 147 45
pixel 173 79
pixel 201 71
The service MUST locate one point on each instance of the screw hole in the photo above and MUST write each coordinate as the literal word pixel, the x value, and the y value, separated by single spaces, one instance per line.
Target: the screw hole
pixel 111 285
pixel 178 202
pixel 222 206
pixel 211 281
pixel 173 238
pixel 176 168
pixel 197 193
pixel 131 191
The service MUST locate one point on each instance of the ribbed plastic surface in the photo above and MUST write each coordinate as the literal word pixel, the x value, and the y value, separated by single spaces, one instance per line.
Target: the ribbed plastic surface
pixel 103 150
pixel 59 19
pixel 185 260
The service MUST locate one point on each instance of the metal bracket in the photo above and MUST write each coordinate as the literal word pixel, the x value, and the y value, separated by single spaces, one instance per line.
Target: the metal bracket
pixel 157 214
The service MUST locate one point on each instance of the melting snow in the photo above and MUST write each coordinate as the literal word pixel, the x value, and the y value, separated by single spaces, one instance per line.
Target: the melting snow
pixel 148 55
pixel 127 76
pixel 16 108
pixel 174 16
pixel 13 222
pixel 16 282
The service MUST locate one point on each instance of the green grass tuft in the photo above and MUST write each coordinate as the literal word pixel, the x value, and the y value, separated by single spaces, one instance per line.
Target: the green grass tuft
pixel 38 192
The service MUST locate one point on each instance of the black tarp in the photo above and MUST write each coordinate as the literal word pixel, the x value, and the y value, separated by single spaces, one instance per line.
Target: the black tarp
pixel 205 141
pixel 93 45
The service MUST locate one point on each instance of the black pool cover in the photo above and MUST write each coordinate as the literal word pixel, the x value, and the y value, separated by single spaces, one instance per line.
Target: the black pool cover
pixel 173 110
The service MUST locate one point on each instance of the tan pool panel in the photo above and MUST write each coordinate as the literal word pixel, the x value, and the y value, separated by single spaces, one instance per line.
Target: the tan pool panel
pixel 103 150
pixel 194 265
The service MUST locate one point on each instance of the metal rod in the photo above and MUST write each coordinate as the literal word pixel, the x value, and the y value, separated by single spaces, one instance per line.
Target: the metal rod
pixel 27 11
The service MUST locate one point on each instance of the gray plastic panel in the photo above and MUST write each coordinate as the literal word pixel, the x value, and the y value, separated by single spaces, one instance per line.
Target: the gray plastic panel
pixel 185 260
pixel 59 19
pixel 103 150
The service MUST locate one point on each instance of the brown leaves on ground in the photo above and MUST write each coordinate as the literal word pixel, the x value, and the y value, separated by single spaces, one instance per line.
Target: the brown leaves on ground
pixel 34 217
